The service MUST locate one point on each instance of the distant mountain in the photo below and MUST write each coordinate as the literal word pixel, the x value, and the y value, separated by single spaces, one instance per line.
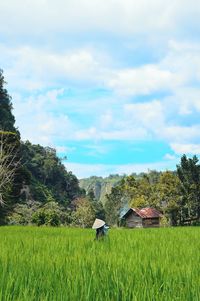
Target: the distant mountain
pixel 100 186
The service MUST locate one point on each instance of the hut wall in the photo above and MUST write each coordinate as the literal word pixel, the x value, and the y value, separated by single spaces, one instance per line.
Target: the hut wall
pixel 133 221
pixel 151 222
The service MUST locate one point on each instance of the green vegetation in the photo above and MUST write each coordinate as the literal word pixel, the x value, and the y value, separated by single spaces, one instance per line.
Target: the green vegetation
pixel 176 194
pixel 68 264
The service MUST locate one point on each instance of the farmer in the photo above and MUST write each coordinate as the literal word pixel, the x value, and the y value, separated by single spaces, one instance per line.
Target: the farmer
pixel 100 227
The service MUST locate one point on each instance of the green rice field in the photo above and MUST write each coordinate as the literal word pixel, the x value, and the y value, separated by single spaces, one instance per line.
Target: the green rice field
pixel 68 264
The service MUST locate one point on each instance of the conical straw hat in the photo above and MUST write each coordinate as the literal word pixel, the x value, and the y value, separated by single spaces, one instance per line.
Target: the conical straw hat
pixel 98 223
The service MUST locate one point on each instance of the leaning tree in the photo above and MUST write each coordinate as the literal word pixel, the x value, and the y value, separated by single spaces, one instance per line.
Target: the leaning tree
pixel 9 162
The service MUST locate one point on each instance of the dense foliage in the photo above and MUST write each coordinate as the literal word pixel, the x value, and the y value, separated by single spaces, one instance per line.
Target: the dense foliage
pixel 7 120
pixel 48 177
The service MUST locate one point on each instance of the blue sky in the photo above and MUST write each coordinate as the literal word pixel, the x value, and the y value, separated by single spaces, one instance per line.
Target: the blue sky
pixel 112 84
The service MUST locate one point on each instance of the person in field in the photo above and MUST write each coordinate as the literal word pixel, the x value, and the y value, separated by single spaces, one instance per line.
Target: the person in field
pixel 100 227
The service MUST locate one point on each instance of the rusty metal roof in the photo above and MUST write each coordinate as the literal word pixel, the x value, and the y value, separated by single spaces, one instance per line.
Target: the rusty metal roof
pixel 144 212
pixel 149 213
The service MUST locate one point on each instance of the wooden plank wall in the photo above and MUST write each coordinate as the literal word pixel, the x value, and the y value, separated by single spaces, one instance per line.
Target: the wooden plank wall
pixel 133 221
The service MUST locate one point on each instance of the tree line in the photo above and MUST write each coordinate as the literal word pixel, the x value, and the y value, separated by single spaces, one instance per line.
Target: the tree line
pixel 175 193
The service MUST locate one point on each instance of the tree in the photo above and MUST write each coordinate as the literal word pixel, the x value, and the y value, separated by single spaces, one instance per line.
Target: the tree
pixel 9 162
pixel 7 119
pixel 84 214
pixel 91 195
pixel 144 193
pixel 97 205
pixel 48 176
pixel 23 213
pixel 168 191
pixel 99 210
pixel 138 202
pixel 113 205
pixel 50 215
pixel 189 174
pixel 9 152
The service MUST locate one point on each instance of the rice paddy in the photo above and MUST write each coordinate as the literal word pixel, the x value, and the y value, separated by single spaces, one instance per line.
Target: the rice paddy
pixel 68 264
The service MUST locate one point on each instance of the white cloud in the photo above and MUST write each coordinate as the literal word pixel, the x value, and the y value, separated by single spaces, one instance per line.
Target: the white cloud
pixel 87 170
pixel 106 119
pixel 149 115
pixel 143 80
pixel 33 68
pixel 184 102
pixel 169 157
pixel 121 134
pixel 181 134
pixel 45 128
pixel 96 149
pixel 37 121
pixel 88 134
pixel 144 16
pixel 129 122
pixel 65 149
pixel 45 70
pixel 182 59
pixel 191 149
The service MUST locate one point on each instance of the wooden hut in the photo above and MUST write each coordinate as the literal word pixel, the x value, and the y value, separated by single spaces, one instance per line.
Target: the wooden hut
pixel 142 218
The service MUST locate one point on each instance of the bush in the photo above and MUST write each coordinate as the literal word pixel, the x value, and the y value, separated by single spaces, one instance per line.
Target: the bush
pixel 49 215
pixel 39 217
pixel 52 218
pixel 17 219
pixel 22 214
pixel 164 222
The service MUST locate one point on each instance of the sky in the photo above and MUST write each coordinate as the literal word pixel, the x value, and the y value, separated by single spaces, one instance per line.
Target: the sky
pixel 114 85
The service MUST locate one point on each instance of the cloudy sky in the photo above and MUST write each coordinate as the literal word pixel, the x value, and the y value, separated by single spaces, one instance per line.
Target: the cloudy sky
pixel 112 84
